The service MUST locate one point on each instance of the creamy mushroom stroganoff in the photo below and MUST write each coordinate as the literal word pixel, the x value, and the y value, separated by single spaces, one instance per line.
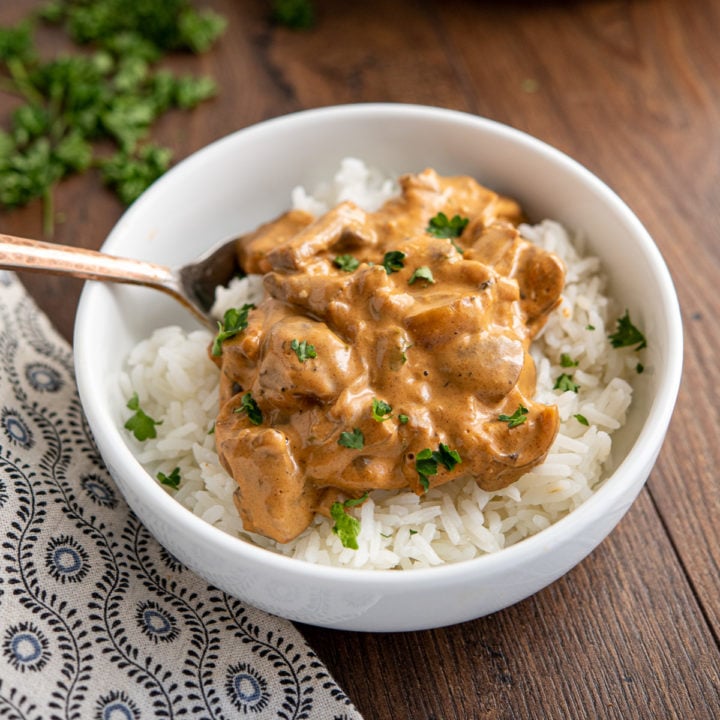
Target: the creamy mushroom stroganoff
pixel 409 375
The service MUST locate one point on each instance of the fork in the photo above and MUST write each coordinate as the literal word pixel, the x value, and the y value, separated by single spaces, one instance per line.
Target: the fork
pixel 192 284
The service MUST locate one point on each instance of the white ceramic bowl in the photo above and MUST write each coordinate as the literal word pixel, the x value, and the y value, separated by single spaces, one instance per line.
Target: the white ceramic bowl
pixel 246 178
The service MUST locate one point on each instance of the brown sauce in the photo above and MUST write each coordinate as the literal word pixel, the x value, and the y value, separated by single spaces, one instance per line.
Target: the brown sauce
pixel 443 340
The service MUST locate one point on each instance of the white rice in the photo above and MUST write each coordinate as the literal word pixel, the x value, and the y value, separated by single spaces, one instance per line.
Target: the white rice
pixel 178 384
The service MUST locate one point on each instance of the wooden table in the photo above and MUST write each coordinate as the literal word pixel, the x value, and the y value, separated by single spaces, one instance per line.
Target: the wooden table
pixel 632 90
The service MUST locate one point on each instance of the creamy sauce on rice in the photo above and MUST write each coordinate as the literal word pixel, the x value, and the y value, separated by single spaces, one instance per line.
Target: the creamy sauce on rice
pixel 419 335
pixel 178 384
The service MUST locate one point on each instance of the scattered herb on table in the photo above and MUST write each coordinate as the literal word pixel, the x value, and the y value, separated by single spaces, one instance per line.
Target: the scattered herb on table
pixel 427 462
pixel 70 106
pixel 141 425
pixel 422 273
pixel 626 334
pixel 393 261
pixel 381 411
pixel 294 14
pixel 234 321
pixel 172 480
pixel 354 440
pixel 303 349
pixel 347 263
pixel 346 527
pixel 249 406
pixel 517 418
pixel 564 382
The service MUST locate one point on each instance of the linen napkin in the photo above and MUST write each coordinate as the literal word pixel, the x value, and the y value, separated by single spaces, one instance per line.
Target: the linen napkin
pixel 97 620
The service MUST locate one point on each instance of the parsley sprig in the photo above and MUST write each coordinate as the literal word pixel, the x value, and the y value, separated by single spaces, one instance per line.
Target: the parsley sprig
pixel 393 261
pixel 427 462
pixel 381 411
pixel 517 418
pixel 249 406
pixel 172 480
pixel 354 440
pixel 442 227
pixel 234 321
pixel 140 424
pixel 626 334
pixel 303 349
pixel 346 527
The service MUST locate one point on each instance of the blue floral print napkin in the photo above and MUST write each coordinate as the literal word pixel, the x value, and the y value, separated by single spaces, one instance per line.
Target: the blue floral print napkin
pixel 97 620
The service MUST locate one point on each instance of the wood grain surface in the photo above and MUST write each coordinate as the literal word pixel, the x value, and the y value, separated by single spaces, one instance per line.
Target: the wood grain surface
pixel 631 89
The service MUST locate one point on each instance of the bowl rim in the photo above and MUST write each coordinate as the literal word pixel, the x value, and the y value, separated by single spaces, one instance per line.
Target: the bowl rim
pixel 638 460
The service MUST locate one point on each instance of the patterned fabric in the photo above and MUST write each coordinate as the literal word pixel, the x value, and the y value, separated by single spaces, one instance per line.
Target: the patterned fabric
pixel 97 620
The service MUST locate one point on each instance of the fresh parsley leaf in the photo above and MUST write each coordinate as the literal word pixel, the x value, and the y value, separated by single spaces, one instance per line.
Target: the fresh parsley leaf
pixel 581 419
pixel 422 273
pixel 234 321
pixel 346 527
pixel 427 462
pixel 393 261
pixel 565 382
pixel 426 466
pixel 354 440
pixel 304 350
pixel 294 14
pixel 441 227
pixel 141 425
pixel 249 406
pixel 381 411
pixel 172 480
pixel 447 457
pixel 347 263
pixel 131 173
pixel 626 334
pixel 567 362
pixel 517 418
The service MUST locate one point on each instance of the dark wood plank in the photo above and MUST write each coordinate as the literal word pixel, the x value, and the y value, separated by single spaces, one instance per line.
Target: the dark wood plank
pixel 630 89
pixel 621 636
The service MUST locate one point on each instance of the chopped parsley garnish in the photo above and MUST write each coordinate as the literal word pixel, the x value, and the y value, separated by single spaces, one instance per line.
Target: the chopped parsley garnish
pixel 589 327
pixel 354 440
pixel 211 431
pixel 403 419
pixel 141 425
pixel 393 261
pixel 234 321
pixel 627 334
pixel 172 480
pixel 441 227
pixel 565 382
pixel 346 527
pixel 293 14
pixel 427 462
pixel 304 350
pixel 639 368
pixel 347 263
pixel 517 418
pixel 567 361
pixel 422 273
pixel 96 109
pixel 381 411
pixel 581 419
pixel 249 406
